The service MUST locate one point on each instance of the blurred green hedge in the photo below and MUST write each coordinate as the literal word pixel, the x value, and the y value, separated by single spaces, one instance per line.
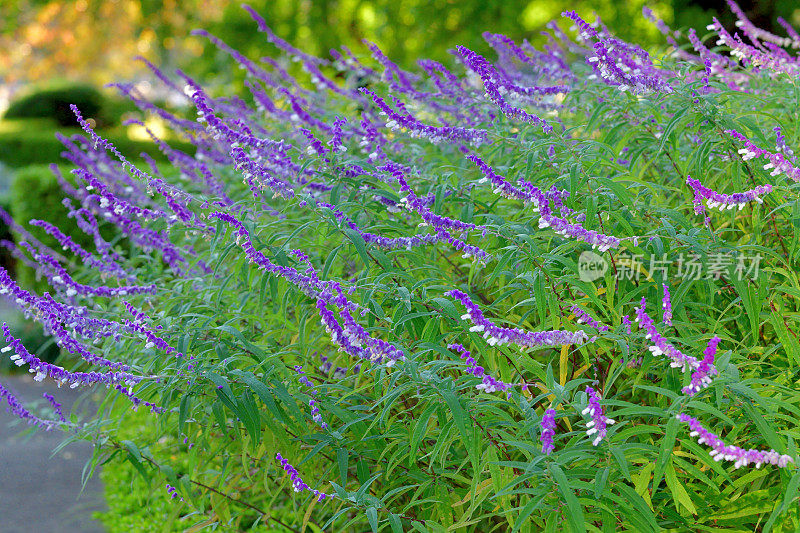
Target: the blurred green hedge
pixel 53 102
pixel 22 146
pixel 36 194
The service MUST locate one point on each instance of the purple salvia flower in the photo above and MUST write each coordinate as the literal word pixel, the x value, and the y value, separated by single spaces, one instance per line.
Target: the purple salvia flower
pixel 586 30
pixel 780 143
pixel 705 372
pixel 379 240
pixel 752 56
pixel 54 316
pixel 297 483
pixel 584 317
pixel 352 338
pixel 336 140
pixel 315 147
pixel 246 64
pixel 666 306
pixel 414 203
pixel 56 406
pixel 61 280
pixel 496 335
pixel 16 408
pixel 295 53
pixel 188 164
pixel 660 346
pixel 548 431
pixel 700 208
pixel 753 32
pixel 626 321
pixel 7 219
pixel 740 456
pixel 635 362
pixel 170 194
pixel 722 201
pixel 488 383
pixel 794 37
pixel 312 403
pixel 252 170
pixel 346 61
pixel 597 425
pixel 416 128
pixel 173 492
pixel 398 79
pixel 66 242
pixel 489 76
pixel 121 381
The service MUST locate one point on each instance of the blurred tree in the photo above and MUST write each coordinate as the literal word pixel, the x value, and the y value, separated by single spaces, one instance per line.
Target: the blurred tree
pixel 96 40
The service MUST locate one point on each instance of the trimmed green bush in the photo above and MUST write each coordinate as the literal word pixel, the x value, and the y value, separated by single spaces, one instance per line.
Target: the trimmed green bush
pixel 6 260
pixel 36 194
pixel 54 101
pixel 22 146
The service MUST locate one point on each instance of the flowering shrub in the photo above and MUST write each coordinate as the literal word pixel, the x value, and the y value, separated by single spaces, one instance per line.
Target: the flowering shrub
pixel 472 297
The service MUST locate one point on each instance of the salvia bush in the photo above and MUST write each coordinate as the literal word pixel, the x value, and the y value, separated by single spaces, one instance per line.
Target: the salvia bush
pixel 552 289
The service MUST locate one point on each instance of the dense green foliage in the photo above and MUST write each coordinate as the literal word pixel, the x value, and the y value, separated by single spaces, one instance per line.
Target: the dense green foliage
pixel 416 445
pixel 452 457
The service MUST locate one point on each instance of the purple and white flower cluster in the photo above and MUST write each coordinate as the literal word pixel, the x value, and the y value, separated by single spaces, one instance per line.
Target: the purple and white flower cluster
pixel 548 431
pixel 598 425
pixel 488 383
pixel 298 485
pixel 716 200
pixel 496 335
pixel 739 456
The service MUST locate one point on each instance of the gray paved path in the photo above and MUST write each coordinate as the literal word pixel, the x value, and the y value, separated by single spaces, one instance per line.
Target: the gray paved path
pixel 40 493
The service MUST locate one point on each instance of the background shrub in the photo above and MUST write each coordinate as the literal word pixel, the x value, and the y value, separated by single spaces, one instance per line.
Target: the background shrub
pixel 34 143
pixel 53 102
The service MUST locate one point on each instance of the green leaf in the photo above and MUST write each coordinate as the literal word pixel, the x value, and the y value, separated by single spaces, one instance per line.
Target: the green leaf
pixel 574 510
pixel 788 498
pixel 459 417
pixel 397 525
pixel 665 450
pixel 372 516
pixel 678 491
pixel 358 242
pixel 341 459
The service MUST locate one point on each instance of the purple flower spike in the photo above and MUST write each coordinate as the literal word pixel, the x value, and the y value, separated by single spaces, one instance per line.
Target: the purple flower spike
pixel 583 317
pixel 548 431
pixel 660 346
pixel 16 408
pixel 626 321
pixel 666 305
pixel 778 163
pixel 488 383
pixel 701 378
pixel 297 483
pixel 586 30
pixel 495 87
pixel 315 415
pixel 497 335
pixel 597 425
pixel 721 201
pixel 56 407
pixel 740 456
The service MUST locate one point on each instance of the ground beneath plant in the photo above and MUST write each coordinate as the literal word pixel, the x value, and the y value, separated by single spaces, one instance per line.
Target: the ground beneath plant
pixel 39 491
